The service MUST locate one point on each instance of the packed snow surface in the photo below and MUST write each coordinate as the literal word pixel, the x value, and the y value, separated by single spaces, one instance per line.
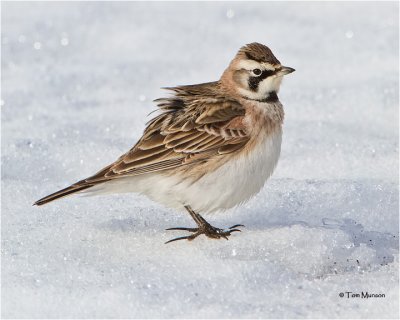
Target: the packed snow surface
pixel 78 80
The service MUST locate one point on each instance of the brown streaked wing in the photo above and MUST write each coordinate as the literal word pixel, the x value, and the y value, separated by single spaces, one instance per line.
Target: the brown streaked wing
pixel 138 154
pixel 196 130
pixel 151 142
pixel 190 138
pixel 220 112
pixel 210 145
pixel 159 166
pixel 123 166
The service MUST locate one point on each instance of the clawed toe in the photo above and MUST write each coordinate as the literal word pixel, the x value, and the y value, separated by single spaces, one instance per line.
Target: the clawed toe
pixel 184 229
pixel 233 230
pixel 236 225
pixel 179 238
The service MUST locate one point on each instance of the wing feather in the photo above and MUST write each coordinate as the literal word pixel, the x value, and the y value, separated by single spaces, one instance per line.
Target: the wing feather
pixel 158 157
pixel 195 125
pixel 138 154
pixel 220 112
pixel 159 166
pixel 190 137
pixel 151 142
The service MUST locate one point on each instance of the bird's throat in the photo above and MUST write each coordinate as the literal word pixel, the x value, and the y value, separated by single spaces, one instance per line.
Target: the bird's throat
pixel 269 98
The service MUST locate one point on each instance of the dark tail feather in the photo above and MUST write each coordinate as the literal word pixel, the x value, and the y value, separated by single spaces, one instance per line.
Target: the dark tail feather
pixel 62 193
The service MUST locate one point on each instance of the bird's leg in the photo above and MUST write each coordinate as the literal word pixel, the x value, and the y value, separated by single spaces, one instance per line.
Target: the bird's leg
pixel 204 228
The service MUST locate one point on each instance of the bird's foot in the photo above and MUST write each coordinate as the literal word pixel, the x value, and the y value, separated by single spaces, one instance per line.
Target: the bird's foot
pixel 208 230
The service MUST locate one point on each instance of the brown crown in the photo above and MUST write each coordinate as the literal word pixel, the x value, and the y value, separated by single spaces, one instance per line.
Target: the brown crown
pixel 258 52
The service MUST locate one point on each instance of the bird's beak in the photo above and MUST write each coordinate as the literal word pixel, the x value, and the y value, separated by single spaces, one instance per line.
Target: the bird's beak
pixel 285 70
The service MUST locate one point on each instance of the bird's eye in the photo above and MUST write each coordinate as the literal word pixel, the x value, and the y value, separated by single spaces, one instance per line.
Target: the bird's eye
pixel 256 72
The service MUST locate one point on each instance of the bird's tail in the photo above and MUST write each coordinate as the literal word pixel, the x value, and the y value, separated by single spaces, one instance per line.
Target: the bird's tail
pixel 84 184
pixel 77 187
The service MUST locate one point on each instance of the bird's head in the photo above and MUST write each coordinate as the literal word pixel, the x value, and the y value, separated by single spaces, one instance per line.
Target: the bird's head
pixel 255 73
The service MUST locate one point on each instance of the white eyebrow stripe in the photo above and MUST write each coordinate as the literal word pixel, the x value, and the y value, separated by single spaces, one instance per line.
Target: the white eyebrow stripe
pixel 251 64
pixel 269 66
pixel 248 64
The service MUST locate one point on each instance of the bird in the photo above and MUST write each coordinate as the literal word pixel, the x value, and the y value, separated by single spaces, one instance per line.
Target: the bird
pixel 212 146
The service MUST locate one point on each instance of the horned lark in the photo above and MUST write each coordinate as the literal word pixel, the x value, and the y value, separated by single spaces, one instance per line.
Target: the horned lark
pixel 213 145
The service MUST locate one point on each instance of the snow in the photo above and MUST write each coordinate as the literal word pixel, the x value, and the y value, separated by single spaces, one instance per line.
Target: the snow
pixel 77 84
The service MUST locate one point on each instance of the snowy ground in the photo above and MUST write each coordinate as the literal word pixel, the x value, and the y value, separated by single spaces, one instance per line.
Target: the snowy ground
pixel 77 84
